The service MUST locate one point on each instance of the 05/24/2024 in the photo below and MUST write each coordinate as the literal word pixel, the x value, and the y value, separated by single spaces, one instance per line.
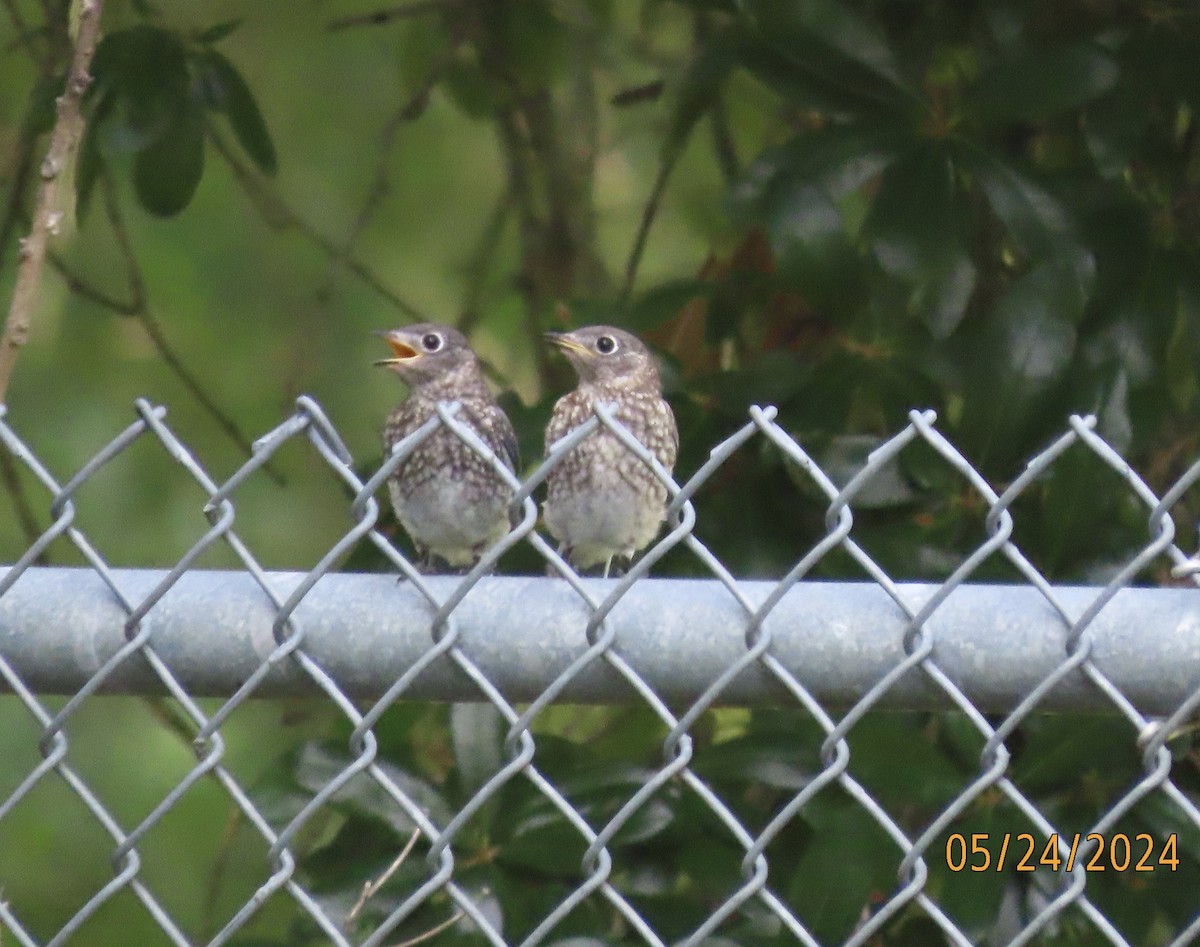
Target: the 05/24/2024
pixel 982 851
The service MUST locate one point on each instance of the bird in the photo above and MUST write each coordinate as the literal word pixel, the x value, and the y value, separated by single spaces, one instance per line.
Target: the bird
pixel 603 501
pixel 450 500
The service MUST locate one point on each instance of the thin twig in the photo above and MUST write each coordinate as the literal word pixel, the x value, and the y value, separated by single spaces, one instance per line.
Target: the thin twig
pixel 21 504
pixel 220 866
pixel 409 111
pixel 371 887
pixel 64 141
pixel 24 35
pixel 85 290
pixel 649 212
pixel 726 157
pixel 520 189
pixel 380 17
pixel 137 288
pixel 433 931
pixel 482 257
pixel 279 216
pixel 14 212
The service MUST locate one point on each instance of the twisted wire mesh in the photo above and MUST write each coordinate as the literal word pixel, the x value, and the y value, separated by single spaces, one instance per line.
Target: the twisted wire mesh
pixel 1048 902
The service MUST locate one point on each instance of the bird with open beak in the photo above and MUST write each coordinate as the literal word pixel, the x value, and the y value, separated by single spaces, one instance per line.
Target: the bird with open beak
pixel 603 501
pixel 450 499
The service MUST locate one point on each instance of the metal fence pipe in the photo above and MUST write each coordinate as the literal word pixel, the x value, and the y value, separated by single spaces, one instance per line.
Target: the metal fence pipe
pixel 214 628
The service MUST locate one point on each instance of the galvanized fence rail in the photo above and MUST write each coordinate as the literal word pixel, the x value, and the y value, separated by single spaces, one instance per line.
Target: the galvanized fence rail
pixel 996 656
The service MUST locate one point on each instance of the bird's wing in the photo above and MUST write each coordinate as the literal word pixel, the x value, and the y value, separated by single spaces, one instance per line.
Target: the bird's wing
pixel 673 427
pixel 497 431
pixel 508 440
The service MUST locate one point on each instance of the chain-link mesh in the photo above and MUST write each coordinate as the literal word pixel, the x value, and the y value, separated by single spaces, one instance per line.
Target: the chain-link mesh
pixel 600 881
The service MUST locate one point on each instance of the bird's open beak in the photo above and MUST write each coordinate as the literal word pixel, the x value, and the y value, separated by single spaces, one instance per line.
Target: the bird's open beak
pixel 568 343
pixel 402 352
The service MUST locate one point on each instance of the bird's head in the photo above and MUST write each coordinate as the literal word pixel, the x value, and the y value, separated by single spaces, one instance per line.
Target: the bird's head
pixel 426 351
pixel 605 355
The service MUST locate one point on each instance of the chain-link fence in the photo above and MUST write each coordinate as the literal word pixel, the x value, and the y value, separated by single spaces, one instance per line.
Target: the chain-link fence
pixel 983 853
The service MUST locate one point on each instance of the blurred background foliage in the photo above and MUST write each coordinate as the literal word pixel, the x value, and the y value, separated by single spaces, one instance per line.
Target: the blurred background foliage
pixel 844 209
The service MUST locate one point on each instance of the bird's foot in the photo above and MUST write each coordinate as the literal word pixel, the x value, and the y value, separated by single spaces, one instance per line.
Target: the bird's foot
pixel 617 566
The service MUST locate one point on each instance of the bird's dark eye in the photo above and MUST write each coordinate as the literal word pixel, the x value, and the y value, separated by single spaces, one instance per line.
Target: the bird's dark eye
pixel 431 342
pixel 606 345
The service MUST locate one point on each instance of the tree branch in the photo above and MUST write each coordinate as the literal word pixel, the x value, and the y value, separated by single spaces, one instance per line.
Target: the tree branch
pixel 141 312
pixel 21 504
pixel 480 266
pixel 279 216
pixel 64 141
pixel 531 281
pixel 649 212
pixel 380 17
pixel 85 290
pixel 19 183
pixel 409 111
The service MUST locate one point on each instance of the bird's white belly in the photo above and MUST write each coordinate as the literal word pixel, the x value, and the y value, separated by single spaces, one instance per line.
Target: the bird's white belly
pixel 601 523
pixel 451 518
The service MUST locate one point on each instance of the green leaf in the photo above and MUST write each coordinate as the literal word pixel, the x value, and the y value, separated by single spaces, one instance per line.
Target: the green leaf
pixel 765 759
pixel 318 764
pixel 543 840
pixel 470 89
pixel 1040 84
pixel 698 92
pixel 773 379
pixel 846 863
pixel 226 91
pixel 826 47
pixel 167 172
pixel 146 68
pixel 218 31
pixel 1038 221
pixel 1113 128
pixel 1059 751
pixel 918 932
pixel 1166 819
pixel 537 44
pixel 846 455
pixel 1017 358
pixel 898 761
pixel 814 254
pixel 649 821
pixel 663 302
pixel 838 158
pixel 916 227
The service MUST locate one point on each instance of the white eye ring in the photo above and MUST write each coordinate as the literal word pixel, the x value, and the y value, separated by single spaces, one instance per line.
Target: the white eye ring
pixel 606 345
pixel 431 342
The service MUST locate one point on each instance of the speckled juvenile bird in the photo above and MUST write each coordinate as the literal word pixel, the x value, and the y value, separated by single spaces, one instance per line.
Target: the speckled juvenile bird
pixel 602 500
pixel 448 498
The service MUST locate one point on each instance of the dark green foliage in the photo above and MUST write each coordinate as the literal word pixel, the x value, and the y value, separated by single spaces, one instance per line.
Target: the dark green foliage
pixel 150 94
pixel 675 861
pixel 226 91
pixel 980 210
pixel 986 209
pixel 976 209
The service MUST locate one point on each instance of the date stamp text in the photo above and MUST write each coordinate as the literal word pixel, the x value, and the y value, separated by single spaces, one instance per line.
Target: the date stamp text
pixel 982 851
